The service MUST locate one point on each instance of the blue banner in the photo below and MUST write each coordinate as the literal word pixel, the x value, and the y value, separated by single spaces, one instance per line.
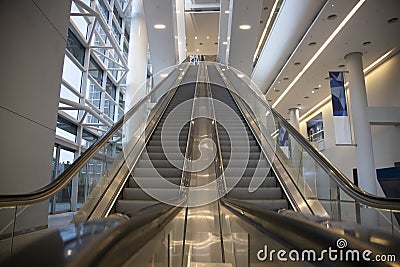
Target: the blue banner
pixel 339 107
pixel 338 94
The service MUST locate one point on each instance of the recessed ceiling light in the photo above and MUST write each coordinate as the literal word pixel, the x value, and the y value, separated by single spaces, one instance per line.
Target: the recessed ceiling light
pixel 223 69
pixel 341 66
pixel 366 43
pixel 208 37
pixel 279 81
pixel 224 43
pixel 245 27
pixel 226 11
pixel 319 86
pixel 312 92
pixel 332 17
pixel 197 50
pixel 240 75
pixel 297 63
pixel 393 20
pixel 312 44
pixel 195 37
pixel 320 50
pixel 163 75
pixel 159 26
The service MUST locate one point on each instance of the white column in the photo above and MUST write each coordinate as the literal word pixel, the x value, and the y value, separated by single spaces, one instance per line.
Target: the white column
pixel 31 66
pixel 294 118
pixel 181 32
pixel 295 150
pixel 362 129
pixel 137 61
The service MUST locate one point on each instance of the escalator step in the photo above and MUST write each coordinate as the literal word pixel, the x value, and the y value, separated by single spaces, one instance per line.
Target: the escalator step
pixel 139 194
pixel 147 182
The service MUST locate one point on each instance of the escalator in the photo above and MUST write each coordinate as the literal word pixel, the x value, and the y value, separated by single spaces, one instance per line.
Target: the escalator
pixel 257 205
pixel 153 171
pixel 268 193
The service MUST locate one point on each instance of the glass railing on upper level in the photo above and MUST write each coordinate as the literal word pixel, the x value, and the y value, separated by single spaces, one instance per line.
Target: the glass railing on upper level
pixel 321 184
pixel 23 213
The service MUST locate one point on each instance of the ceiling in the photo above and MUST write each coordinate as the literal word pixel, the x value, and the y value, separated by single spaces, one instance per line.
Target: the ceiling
pixel 369 24
pixel 204 26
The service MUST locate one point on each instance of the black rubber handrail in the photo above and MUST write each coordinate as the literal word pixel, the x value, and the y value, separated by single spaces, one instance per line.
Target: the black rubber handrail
pixel 64 178
pixel 340 179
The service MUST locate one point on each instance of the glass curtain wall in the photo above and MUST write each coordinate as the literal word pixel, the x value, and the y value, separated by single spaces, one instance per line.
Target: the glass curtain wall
pixel 92 95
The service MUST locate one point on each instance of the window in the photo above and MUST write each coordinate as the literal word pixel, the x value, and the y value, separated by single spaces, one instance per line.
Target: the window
pixel 103 9
pixel 116 32
pixel 117 16
pixel 126 50
pixel 109 107
pixel 111 89
pixel 127 36
pixel 75 47
pixel 315 129
pixel 96 71
pixel 121 101
pixel 94 94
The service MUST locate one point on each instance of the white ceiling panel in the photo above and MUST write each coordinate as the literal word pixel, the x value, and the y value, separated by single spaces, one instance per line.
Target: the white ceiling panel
pixel 242 43
pixel 369 24
pixel 294 19
pixel 163 51
pixel 204 26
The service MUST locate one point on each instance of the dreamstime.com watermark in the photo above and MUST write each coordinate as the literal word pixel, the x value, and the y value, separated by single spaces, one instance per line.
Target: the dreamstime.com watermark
pixel 340 253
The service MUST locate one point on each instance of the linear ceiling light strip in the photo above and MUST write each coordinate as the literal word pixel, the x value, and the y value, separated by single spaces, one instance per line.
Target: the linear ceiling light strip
pixel 367 70
pixel 320 50
pixel 271 15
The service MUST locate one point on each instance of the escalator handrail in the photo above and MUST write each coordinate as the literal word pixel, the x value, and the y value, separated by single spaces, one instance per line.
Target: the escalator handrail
pixel 294 230
pixel 128 238
pixel 65 177
pixel 341 180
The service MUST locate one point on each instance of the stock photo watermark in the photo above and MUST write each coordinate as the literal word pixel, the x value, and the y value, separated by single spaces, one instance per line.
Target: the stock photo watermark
pixel 339 253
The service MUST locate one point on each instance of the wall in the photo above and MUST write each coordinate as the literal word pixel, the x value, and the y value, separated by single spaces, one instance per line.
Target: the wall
pixel 32 52
pixel 382 90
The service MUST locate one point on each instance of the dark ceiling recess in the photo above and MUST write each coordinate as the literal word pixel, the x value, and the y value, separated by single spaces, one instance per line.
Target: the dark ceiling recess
pixel 201 43
pixel 297 63
pixel 393 20
pixel 286 78
pixel 306 97
pixel 261 21
pixel 265 8
pixel 312 44
pixel 341 66
pixel 215 43
pixel 332 17
pixel 366 43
